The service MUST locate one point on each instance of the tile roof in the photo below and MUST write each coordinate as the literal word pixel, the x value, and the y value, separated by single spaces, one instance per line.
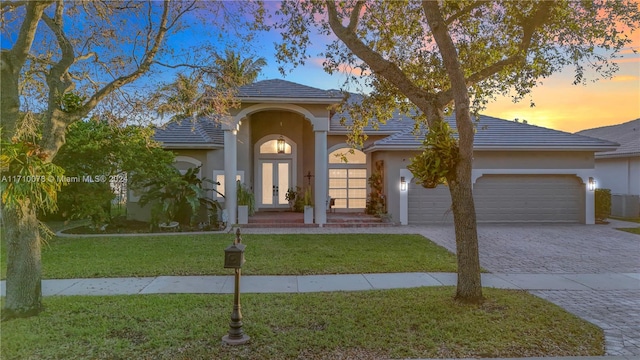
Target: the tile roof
pixel 399 122
pixel 626 134
pixel 282 89
pixel 203 133
pixel 497 134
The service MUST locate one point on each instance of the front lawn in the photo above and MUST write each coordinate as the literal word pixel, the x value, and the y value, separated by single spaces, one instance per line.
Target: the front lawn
pixel 65 258
pixel 403 323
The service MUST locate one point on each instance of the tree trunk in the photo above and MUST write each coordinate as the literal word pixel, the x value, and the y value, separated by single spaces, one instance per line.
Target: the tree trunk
pixel 24 268
pixel 469 287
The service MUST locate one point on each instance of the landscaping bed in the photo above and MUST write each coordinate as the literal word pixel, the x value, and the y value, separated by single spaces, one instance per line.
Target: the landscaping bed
pixel 127 226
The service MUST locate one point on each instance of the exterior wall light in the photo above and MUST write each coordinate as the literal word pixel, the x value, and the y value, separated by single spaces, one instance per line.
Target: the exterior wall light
pixel 403 184
pixel 280 145
pixel 592 184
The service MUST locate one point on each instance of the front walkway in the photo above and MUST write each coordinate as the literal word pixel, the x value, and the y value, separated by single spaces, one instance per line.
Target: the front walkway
pixel 320 283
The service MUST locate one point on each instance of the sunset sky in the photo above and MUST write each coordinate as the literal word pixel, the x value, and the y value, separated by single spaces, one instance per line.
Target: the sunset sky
pixel 558 103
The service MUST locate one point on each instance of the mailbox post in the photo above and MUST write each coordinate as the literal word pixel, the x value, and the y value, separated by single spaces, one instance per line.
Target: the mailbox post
pixel 233 259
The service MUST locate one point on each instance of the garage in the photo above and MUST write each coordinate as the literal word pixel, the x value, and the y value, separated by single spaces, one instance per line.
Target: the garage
pixel 506 198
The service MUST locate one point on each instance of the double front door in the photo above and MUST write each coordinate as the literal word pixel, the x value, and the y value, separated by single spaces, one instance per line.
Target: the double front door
pixel 275 178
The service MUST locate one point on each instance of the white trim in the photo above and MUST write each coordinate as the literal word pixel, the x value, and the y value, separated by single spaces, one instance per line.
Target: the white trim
pixel 404 197
pixel 187 159
pixel 320 123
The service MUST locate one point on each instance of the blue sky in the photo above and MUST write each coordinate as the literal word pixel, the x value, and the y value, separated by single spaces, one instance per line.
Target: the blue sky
pixel 559 104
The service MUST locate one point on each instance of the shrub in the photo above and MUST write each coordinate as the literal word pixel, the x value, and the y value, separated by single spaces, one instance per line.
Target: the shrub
pixel 603 204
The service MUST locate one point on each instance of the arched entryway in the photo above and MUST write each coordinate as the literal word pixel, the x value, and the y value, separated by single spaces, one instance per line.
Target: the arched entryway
pixel 275 168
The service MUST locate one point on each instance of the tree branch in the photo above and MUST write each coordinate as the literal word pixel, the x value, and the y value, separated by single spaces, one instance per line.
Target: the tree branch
pixel 529 27
pixel 390 71
pixel 148 60
pixel 464 11
pixel 27 33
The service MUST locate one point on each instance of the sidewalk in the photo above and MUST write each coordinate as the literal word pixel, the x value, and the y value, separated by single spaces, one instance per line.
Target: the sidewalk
pixel 223 284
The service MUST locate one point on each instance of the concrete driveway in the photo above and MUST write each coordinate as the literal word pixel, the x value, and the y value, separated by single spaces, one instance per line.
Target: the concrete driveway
pixel 569 249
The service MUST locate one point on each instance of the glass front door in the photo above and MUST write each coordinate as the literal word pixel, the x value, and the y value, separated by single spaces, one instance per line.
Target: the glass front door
pixel 275 179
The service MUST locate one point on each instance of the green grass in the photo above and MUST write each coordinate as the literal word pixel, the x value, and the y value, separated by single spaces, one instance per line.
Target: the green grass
pixel 631 230
pixel 403 323
pixel 88 257
pixel 634 219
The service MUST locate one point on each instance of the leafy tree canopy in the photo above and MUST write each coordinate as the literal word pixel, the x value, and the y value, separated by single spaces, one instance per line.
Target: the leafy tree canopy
pixel 503 47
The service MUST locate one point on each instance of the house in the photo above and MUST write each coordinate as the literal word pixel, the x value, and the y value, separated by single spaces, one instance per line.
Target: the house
pixel 521 172
pixel 619 169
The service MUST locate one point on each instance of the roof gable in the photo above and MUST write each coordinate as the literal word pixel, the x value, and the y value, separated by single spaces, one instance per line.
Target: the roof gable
pixel 282 89
pixel 626 134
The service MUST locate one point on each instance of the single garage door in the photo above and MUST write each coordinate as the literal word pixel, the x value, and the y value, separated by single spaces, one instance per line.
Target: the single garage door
pixel 505 198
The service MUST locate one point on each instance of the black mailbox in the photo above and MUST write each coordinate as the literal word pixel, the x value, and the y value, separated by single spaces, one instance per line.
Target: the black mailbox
pixel 234 256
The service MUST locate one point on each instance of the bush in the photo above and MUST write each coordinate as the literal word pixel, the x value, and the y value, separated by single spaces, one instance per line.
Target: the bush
pixel 603 204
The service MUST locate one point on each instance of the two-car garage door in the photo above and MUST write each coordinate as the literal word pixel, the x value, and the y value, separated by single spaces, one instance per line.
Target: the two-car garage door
pixel 505 198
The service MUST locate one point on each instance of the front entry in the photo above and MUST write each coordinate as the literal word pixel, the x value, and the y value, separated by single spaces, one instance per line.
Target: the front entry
pixel 275 180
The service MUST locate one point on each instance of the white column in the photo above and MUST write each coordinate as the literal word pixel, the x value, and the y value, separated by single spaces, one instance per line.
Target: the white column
pixel 321 191
pixel 404 196
pixel 230 171
pixel 589 203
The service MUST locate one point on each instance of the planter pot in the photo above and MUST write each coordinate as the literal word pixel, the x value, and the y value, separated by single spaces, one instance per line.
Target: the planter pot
pixel 243 214
pixel 308 214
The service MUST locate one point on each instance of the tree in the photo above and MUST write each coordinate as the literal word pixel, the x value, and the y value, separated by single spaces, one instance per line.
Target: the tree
pixel 439 56
pixel 65 59
pixel 107 155
pixel 231 71
pixel 190 97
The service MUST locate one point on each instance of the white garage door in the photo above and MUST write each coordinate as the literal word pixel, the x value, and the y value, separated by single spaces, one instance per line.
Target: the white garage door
pixel 506 198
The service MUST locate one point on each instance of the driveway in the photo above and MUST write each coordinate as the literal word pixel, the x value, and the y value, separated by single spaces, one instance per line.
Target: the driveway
pixel 568 249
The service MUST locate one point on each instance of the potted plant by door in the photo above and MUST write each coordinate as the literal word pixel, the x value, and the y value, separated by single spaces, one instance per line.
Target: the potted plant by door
pixel 308 206
pixel 291 198
pixel 246 203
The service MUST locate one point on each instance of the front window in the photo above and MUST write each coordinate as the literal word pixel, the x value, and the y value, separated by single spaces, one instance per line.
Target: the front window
pixel 348 178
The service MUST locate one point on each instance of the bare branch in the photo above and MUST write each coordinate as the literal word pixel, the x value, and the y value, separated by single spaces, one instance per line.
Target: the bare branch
pixel 12 4
pixel 176 66
pixel 148 60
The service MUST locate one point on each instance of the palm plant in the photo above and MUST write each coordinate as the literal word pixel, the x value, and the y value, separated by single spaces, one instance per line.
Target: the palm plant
pixel 232 71
pixel 185 98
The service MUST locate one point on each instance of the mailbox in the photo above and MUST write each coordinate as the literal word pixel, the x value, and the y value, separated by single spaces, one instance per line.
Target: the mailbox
pixel 234 256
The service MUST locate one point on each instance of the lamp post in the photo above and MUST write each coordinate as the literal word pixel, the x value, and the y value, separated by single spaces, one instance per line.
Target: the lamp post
pixel 234 258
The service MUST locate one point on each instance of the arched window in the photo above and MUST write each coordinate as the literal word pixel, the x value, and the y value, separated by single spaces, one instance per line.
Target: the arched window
pixel 348 178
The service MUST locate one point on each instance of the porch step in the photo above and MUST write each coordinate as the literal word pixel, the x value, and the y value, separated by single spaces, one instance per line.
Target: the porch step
pixel 286 219
pixel 278 225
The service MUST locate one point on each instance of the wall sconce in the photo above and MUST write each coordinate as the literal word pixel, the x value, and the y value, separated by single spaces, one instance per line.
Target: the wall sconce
pixel 280 145
pixel 403 184
pixel 592 184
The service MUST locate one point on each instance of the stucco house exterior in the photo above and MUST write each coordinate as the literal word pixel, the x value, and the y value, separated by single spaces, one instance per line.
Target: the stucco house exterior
pixel 522 173
pixel 619 169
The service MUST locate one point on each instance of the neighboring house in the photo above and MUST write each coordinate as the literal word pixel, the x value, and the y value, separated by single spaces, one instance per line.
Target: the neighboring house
pixel 521 172
pixel 619 170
